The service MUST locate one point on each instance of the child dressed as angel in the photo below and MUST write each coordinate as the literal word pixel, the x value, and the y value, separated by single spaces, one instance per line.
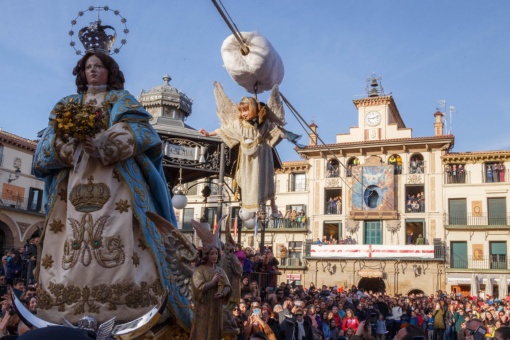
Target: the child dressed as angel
pixel 257 128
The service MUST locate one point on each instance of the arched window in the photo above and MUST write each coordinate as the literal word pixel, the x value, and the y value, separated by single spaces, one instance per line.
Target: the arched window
pixel 353 161
pixel 332 168
pixel 396 161
pixel 417 164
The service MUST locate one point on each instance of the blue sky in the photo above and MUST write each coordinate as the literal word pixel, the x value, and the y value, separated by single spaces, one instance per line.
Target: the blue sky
pixel 457 50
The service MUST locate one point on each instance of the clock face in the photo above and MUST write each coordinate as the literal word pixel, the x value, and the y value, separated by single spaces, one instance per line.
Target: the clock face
pixel 373 118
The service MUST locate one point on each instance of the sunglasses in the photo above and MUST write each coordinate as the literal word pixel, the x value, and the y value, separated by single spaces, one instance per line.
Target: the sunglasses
pixel 299 314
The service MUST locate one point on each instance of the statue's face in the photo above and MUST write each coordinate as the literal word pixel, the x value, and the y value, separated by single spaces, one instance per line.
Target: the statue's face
pixel 248 111
pixel 212 257
pixel 95 72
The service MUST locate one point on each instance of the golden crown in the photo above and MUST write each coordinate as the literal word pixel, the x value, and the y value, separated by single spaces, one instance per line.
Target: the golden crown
pixel 89 197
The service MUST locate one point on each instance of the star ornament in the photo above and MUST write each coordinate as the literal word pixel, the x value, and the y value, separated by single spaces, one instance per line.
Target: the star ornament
pixel 56 226
pixel 136 259
pixel 47 261
pixel 122 206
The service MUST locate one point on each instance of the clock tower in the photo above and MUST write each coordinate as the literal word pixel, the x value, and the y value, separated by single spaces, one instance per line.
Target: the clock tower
pixel 378 117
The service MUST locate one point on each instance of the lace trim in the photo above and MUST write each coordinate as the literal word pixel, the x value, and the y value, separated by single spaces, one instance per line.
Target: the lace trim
pixel 95 89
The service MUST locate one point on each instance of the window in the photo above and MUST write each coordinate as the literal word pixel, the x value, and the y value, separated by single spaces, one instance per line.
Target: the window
pixel 333 201
pixel 415 201
pixel 457 210
pixel 210 213
pixel 354 161
pixel 373 232
pixel 35 199
pixel 458 255
pixel 1 155
pixel 186 218
pixel 332 231
pixel 497 210
pixel 332 168
pixel 396 161
pixel 415 231
pixel 294 254
pixel 297 182
pixel 494 172
pixel 417 164
pixel 498 255
pixel 213 184
pixel 295 216
pixel 455 173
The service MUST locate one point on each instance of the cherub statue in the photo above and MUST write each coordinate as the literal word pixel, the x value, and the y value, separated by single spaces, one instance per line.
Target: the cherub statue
pixel 257 128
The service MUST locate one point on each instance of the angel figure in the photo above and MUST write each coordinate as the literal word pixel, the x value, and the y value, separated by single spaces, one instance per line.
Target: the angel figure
pixel 211 290
pixel 257 129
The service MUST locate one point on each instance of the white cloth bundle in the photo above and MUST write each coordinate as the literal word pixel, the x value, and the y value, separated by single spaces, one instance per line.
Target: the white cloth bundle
pixel 262 65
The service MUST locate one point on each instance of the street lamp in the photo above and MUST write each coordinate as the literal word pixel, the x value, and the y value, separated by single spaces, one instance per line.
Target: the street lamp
pixel 179 201
pixel 17 173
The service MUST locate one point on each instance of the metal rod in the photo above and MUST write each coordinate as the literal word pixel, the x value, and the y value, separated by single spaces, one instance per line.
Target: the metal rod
pixel 236 33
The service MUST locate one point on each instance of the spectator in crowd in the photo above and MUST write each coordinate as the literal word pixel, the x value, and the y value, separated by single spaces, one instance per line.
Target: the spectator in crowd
pixel 350 321
pixel 439 325
pixel 420 240
pixel 14 266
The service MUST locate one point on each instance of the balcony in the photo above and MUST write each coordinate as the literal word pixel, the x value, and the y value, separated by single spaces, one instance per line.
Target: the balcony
pixel 379 251
pixel 21 204
pixel 488 262
pixel 476 220
pixel 287 223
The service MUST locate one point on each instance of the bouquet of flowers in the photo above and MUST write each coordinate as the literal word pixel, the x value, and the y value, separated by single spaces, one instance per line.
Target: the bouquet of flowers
pixel 79 121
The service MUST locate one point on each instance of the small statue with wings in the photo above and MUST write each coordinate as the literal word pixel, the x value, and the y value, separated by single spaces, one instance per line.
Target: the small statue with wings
pixel 257 128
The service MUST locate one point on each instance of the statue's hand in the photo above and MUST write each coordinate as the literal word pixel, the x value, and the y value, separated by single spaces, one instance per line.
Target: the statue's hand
pixel 205 133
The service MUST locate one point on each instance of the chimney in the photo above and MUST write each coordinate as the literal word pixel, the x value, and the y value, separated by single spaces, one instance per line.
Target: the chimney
pixel 313 134
pixel 438 124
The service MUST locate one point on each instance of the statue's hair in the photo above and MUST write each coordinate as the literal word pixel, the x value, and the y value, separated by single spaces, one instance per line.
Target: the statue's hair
pixel 115 76
pixel 260 107
pixel 204 253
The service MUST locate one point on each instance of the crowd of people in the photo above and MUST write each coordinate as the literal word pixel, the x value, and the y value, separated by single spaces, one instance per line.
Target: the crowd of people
pixel 495 172
pixel 16 272
pixel 334 205
pixel 293 312
pixel 332 240
pixel 416 203
pixel 291 219
pixel 416 166
pixel 455 173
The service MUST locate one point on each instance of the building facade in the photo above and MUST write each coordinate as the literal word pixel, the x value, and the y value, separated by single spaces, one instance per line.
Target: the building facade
pixel 21 201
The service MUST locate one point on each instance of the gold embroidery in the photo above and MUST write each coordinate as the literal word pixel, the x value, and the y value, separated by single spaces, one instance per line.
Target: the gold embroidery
pixel 56 226
pixel 89 197
pixel 99 297
pixel 47 261
pixel 136 259
pixel 116 175
pixel 141 244
pixel 89 243
pixel 122 205
pixel 63 194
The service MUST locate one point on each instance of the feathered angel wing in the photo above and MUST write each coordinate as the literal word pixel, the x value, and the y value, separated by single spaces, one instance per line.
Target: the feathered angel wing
pixel 225 108
pixel 276 113
pixel 180 253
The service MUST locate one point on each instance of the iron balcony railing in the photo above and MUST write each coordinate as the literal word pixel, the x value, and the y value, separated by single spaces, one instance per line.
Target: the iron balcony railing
pixel 477 219
pixel 499 261
pixel 22 204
